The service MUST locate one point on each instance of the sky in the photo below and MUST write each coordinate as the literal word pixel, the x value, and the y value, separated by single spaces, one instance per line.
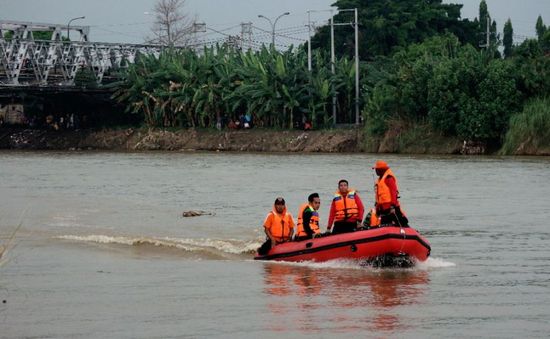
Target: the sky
pixel 128 20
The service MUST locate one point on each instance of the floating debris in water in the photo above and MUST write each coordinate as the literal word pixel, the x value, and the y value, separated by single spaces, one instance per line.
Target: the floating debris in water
pixel 196 213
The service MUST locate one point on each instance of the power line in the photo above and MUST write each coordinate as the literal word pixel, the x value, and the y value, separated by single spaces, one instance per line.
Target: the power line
pixel 124 24
pixel 120 33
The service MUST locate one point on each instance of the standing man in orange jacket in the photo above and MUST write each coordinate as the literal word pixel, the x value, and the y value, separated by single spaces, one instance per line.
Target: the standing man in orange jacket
pixel 346 210
pixel 386 193
pixel 308 218
pixel 278 226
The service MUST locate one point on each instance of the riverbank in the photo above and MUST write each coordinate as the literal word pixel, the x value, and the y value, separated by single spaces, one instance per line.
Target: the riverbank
pixel 405 141
pixel 253 140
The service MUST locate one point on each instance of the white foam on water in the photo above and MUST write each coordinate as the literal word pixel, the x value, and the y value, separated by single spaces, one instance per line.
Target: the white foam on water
pixel 105 239
pixel 338 263
pixel 430 263
pixel 434 263
pixel 231 246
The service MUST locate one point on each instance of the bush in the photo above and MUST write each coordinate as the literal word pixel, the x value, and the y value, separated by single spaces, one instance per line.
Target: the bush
pixel 86 78
pixel 529 130
pixel 459 90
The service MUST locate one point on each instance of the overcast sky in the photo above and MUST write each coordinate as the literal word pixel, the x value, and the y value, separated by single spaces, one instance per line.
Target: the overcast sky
pixel 126 21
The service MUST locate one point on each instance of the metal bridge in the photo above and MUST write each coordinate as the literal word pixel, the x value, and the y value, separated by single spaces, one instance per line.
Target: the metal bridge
pixel 26 62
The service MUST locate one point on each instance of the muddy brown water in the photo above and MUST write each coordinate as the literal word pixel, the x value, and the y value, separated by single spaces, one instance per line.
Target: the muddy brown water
pixel 103 250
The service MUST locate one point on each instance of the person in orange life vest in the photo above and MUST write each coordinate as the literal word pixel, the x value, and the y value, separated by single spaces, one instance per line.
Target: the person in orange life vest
pixel 278 226
pixel 308 219
pixel 346 210
pixel 386 193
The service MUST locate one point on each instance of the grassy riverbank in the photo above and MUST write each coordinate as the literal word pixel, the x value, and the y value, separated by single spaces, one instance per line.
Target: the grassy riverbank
pixel 529 131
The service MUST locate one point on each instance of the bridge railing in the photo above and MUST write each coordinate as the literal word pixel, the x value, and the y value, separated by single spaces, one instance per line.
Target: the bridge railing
pixel 56 63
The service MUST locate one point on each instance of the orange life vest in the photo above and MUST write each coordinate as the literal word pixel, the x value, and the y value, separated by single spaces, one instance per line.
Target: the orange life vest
pixel 374 219
pixel 382 193
pixel 313 221
pixel 279 225
pixel 345 207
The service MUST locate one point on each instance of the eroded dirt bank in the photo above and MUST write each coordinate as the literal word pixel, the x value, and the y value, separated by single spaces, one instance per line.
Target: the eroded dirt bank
pixel 254 140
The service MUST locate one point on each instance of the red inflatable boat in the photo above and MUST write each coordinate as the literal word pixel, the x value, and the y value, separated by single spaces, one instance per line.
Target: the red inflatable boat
pixel 381 243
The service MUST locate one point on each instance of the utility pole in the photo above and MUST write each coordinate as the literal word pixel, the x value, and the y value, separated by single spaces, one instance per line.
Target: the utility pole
pixel 356 68
pixel 332 66
pixel 488 32
pixel 309 41
pixel 198 27
pixel 355 24
pixel 487 35
pixel 246 31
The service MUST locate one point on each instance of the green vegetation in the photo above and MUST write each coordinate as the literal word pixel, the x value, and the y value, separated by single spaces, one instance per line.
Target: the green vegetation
pixel 458 90
pixel 37 35
pixel 529 130
pixel 426 74
pixel 387 26
pixel 183 89
pixel 508 39
pixel 85 78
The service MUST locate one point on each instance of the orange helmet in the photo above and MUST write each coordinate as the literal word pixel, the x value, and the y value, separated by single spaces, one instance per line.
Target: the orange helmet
pixel 381 164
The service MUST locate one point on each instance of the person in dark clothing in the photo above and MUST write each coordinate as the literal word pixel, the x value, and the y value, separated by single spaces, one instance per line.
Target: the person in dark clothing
pixel 308 219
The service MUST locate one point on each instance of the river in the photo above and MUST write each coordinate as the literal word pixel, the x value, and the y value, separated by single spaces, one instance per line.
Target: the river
pixel 100 248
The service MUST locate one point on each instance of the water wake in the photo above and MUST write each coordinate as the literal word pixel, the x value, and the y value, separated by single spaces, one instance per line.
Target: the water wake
pixel 204 248
pixel 226 249
pixel 431 263
pixel 434 263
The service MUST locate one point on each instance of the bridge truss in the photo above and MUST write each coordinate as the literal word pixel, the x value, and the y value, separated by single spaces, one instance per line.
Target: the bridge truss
pixel 25 61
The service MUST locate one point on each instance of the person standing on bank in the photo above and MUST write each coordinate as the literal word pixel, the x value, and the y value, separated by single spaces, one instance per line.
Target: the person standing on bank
pixel 278 226
pixel 346 210
pixel 386 193
pixel 308 219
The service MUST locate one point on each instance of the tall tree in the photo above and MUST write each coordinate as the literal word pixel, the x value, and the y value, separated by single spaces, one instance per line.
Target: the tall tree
pixel 545 42
pixel 483 18
pixel 387 26
pixel 483 14
pixel 508 38
pixel 171 26
pixel 541 28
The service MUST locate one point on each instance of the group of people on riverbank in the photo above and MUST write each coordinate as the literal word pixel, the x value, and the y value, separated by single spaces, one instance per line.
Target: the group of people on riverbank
pixel 346 212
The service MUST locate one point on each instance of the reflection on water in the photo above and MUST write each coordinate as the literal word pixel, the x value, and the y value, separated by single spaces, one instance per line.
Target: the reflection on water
pixel 305 298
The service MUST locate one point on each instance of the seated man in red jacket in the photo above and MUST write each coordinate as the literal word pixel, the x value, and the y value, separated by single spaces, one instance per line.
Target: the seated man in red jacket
pixel 346 210
pixel 386 193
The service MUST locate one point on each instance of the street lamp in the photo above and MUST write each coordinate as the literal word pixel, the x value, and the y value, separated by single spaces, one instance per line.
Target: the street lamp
pixel 69 25
pixel 273 25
